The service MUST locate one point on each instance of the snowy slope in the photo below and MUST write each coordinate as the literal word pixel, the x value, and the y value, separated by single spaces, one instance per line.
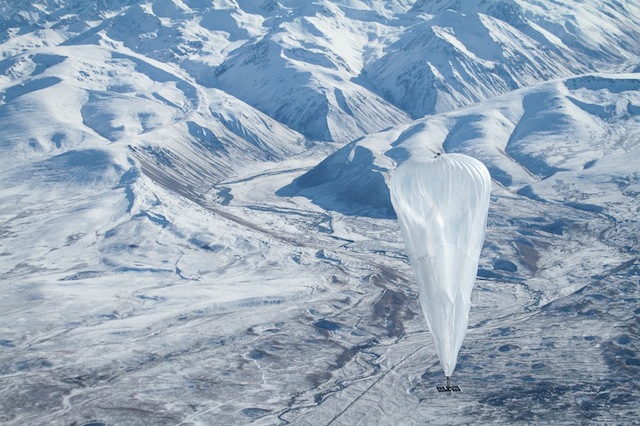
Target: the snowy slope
pixel 195 224
pixel 99 97
pixel 302 72
pixel 529 139
pixel 465 52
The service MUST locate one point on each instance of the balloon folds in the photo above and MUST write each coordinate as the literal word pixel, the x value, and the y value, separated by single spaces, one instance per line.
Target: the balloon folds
pixel 442 205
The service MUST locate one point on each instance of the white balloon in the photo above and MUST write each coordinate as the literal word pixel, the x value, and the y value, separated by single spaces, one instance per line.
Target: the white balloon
pixel 442 205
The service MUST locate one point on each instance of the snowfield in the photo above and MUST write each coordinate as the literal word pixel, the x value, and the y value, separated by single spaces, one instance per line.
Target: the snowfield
pixel 196 228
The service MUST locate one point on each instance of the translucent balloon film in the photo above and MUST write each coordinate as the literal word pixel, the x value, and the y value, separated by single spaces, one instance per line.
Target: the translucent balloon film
pixel 442 206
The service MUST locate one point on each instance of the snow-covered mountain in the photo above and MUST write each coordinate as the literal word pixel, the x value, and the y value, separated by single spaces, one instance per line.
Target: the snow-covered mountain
pixel 195 225
pixel 465 52
pixel 528 138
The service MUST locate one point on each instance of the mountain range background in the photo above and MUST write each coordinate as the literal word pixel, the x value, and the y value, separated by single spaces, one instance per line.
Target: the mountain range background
pixel 195 224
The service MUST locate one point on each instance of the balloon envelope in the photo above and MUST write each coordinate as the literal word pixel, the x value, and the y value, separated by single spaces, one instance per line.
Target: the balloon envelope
pixel 442 205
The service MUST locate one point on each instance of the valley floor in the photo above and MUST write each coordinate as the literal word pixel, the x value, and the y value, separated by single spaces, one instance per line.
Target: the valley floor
pixel 314 320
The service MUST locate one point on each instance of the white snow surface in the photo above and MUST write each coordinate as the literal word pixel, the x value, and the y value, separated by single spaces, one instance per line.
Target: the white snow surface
pixel 442 204
pixel 196 226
